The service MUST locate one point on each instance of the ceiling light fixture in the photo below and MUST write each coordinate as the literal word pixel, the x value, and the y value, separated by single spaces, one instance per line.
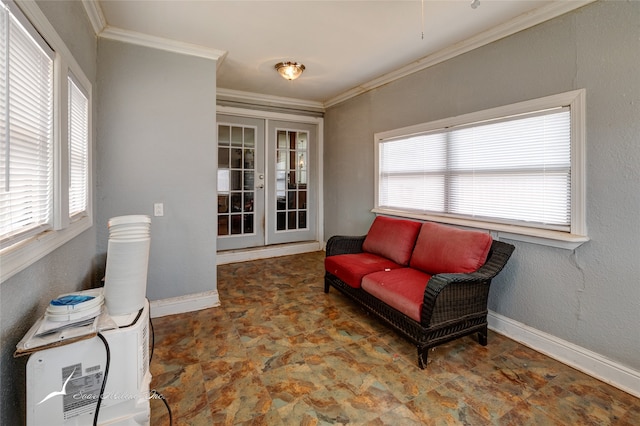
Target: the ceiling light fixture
pixel 290 70
pixel 475 4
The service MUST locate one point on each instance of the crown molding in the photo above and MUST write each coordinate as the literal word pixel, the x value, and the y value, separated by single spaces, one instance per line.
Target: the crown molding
pixel 519 23
pixel 522 22
pixel 252 98
pixel 96 17
pixel 103 30
pixel 132 37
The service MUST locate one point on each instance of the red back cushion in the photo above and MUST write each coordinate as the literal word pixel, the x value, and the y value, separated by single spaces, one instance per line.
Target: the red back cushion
pixel 392 238
pixel 444 249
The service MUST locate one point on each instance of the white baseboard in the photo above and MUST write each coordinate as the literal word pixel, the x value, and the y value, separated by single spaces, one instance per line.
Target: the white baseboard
pixel 233 256
pixel 575 356
pixel 182 304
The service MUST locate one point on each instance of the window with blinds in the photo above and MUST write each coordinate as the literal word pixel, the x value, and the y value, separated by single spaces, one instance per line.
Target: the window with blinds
pixel 45 139
pixel 26 128
pixel 78 148
pixel 515 166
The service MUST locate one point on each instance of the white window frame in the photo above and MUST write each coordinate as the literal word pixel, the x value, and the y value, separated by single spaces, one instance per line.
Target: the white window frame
pixel 24 253
pixel 81 143
pixel 577 235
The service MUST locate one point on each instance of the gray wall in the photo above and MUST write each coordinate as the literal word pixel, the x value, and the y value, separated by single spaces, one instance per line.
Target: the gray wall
pixel 156 143
pixel 23 297
pixel 589 296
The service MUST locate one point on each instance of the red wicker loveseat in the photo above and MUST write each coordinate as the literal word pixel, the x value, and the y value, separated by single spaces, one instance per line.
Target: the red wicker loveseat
pixel 429 282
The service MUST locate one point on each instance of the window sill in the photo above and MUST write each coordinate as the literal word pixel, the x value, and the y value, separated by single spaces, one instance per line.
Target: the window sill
pixel 25 253
pixel 498 231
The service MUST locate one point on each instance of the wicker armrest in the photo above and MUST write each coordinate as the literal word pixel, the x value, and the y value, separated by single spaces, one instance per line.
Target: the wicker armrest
pixel 340 244
pixel 451 296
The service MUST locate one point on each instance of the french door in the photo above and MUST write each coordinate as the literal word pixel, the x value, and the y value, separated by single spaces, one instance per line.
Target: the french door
pixel 267 182
pixel 240 182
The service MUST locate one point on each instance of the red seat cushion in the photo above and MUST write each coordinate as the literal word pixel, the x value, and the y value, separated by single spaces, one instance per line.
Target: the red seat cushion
pixel 402 289
pixel 350 268
pixel 445 249
pixel 392 238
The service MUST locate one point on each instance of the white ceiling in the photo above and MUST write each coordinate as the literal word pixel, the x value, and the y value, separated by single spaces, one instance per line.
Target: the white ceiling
pixel 346 46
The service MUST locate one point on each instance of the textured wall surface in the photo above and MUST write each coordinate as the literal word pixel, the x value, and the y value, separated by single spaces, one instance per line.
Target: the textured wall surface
pixel 23 297
pixel 156 144
pixel 589 296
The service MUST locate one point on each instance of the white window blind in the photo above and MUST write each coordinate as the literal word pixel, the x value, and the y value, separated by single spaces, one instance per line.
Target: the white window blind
pixel 78 148
pixel 513 170
pixel 26 127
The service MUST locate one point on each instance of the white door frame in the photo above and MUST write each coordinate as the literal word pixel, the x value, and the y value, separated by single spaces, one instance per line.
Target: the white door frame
pixel 256 238
pixel 285 249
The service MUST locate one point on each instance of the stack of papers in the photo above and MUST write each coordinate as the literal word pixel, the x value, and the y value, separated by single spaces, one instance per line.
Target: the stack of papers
pixel 68 318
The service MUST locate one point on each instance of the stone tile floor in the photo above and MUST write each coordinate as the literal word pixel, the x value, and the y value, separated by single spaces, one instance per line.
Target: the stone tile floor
pixel 279 351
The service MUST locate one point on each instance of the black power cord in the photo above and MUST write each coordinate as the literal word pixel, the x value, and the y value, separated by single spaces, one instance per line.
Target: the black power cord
pixel 153 340
pixel 106 369
pixel 155 393
pixel 104 380
pixel 166 404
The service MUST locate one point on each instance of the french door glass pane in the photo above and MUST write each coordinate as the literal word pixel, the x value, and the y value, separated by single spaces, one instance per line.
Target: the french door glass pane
pixel 236 179
pixel 291 179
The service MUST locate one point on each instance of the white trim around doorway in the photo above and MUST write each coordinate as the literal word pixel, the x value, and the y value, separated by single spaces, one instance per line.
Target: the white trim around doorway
pixel 232 256
pixel 245 255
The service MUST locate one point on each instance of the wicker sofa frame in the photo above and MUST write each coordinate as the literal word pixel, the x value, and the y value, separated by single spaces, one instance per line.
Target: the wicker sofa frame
pixel 455 305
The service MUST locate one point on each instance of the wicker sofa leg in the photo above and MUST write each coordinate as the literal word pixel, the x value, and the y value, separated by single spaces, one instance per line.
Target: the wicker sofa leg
pixel 326 286
pixel 482 336
pixel 422 357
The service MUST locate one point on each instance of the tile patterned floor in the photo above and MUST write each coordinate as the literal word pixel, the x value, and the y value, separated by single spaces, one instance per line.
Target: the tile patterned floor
pixel 279 351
